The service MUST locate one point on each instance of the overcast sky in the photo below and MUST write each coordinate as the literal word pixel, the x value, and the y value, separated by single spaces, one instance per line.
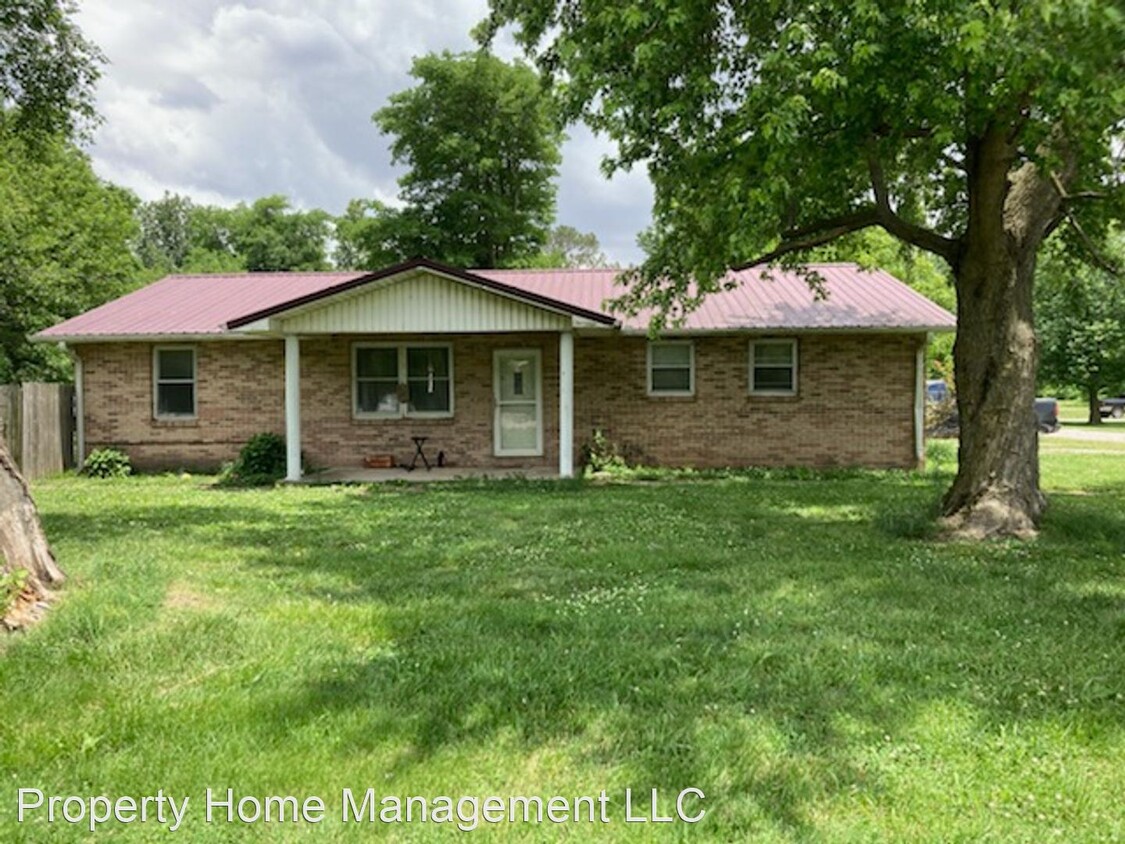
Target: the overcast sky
pixel 228 101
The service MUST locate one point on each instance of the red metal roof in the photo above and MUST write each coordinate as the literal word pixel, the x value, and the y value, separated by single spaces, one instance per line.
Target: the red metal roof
pixel 205 304
pixel 764 299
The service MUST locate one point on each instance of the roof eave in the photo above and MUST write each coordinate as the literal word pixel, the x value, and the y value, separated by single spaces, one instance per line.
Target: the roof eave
pixel 796 329
pixel 170 337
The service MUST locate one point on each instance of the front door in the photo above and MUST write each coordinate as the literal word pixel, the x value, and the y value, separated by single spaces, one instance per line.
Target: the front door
pixel 518 395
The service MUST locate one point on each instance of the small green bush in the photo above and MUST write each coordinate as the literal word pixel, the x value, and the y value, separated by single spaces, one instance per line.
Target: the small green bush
pixel 261 462
pixel 107 463
pixel 601 454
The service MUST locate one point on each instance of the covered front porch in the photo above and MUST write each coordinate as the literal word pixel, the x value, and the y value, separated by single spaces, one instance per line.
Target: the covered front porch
pixel 475 375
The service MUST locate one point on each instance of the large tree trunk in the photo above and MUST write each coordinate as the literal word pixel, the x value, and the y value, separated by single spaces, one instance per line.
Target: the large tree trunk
pixel 996 491
pixel 23 546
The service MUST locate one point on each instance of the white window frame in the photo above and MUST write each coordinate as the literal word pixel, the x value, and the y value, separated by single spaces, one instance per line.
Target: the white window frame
pixel 497 404
pixel 691 368
pixel 403 411
pixel 792 341
pixel 157 381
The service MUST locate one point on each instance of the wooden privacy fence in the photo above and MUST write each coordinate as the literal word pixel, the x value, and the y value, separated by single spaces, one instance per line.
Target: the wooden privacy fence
pixel 37 423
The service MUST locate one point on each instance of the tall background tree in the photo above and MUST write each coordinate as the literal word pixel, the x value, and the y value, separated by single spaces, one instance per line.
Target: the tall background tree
pixel 969 130
pixel 64 247
pixel 1080 311
pixel 481 145
pixel 47 73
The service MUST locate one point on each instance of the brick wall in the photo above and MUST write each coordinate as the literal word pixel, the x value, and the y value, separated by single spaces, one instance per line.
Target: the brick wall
pixel 239 392
pixel 854 407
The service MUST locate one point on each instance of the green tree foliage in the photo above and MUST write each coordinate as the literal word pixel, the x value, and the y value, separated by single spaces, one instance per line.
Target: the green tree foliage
pixel 64 247
pixel 568 247
pixel 482 147
pixel 179 236
pixel 271 236
pixel 1081 324
pixel 969 130
pixel 47 69
pixel 368 236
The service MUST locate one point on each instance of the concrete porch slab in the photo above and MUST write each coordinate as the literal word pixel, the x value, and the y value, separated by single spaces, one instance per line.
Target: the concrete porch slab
pixel 362 475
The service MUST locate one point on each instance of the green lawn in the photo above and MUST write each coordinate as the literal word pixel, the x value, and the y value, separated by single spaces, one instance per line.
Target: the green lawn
pixel 786 645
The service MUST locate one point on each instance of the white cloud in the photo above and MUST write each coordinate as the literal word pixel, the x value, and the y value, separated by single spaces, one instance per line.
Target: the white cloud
pixel 228 102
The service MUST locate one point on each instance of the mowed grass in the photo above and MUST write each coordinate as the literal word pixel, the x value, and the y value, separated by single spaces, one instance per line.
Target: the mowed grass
pixel 797 648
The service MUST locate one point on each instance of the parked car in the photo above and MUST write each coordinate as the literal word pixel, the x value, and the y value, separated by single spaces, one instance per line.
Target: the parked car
pixel 1114 408
pixel 1047 414
pixel 936 390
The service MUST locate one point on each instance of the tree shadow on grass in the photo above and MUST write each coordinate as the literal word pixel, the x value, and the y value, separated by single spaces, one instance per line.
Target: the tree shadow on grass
pixel 753 640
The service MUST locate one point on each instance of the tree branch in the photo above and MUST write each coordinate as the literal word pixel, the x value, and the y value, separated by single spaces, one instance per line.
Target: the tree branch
pixel 916 235
pixel 816 234
pixel 1077 195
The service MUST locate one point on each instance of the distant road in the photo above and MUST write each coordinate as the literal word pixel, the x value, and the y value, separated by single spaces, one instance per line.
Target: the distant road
pixel 1109 432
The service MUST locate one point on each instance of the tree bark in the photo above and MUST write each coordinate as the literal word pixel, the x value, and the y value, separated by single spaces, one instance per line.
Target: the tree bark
pixel 23 546
pixel 1094 404
pixel 996 491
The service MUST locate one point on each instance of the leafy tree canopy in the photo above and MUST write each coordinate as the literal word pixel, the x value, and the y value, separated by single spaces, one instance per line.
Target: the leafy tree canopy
pixel 969 130
pixel 179 236
pixel 271 236
pixel 788 124
pixel 369 235
pixel 47 68
pixel 481 145
pixel 64 248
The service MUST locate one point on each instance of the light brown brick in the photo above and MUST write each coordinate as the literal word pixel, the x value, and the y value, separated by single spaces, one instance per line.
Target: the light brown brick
pixel 854 406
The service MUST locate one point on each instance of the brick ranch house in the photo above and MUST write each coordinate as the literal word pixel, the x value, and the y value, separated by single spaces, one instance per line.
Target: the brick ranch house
pixel 503 368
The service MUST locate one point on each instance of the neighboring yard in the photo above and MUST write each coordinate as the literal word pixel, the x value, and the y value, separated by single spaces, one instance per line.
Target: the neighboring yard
pixel 781 644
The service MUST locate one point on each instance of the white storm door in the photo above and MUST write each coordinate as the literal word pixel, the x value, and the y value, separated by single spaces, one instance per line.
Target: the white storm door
pixel 517 378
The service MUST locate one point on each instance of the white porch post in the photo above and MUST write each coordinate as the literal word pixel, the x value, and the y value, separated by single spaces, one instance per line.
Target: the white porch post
pixel 292 408
pixel 566 404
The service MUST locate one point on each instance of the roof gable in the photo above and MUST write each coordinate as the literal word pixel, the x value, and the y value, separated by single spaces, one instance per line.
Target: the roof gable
pixel 410 271
pixel 418 301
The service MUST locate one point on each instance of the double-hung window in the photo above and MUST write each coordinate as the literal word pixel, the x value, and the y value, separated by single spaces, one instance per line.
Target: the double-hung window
pixel 773 367
pixel 671 368
pixel 397 381
pixel 173 382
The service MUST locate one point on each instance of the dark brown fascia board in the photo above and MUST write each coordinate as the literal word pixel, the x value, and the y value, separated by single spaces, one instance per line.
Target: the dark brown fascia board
pixel 422 264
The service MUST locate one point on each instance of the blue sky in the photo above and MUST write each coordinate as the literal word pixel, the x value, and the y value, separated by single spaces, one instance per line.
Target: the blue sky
pixel 231 101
